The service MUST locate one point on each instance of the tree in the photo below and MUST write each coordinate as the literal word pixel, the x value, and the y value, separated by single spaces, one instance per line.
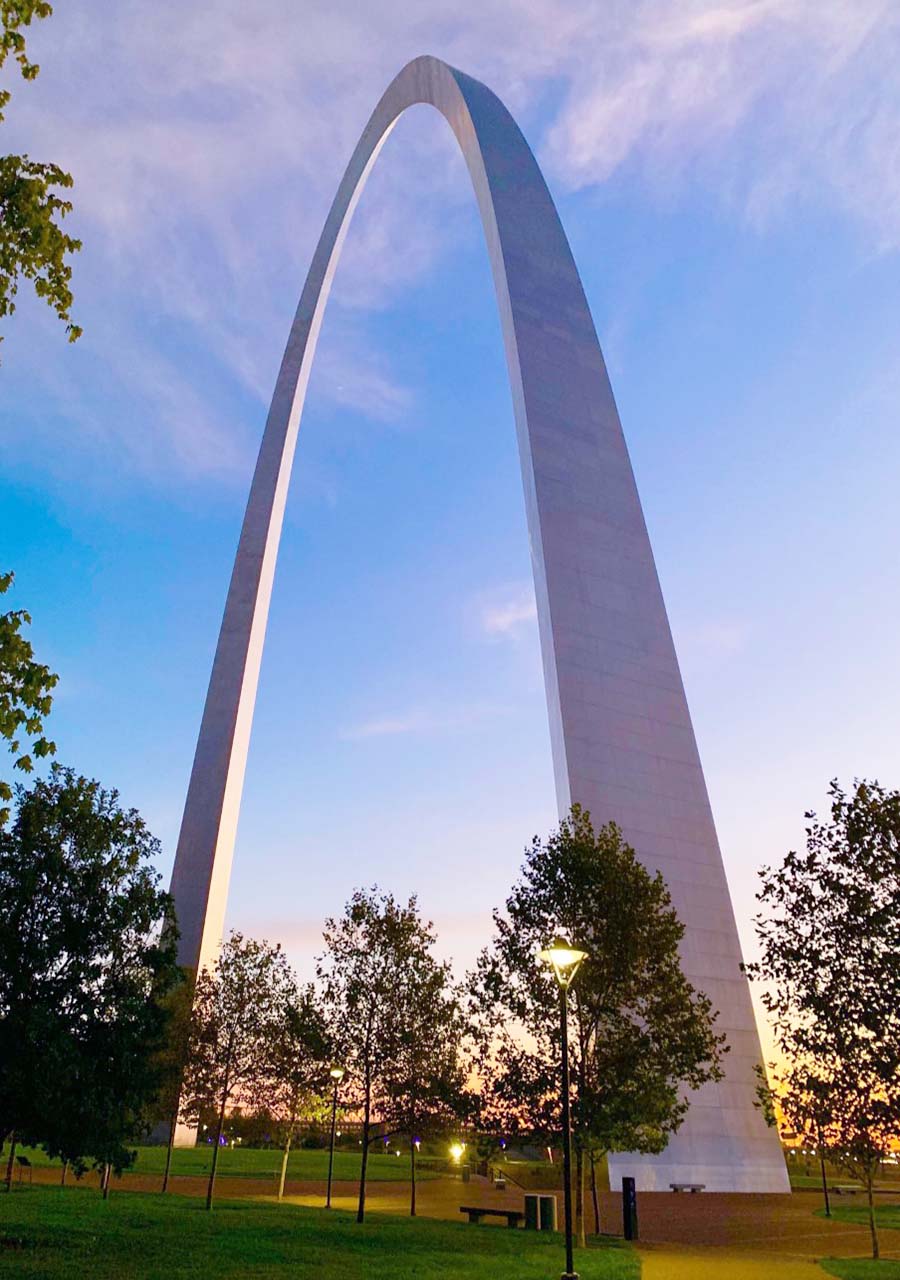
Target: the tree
pixel 830 967
pixel 294 1082
pixel 25 696
pixel 237 1007
pixel 640 1036
pixel 169 1061
pixel 87 957
pixel 425 1083
pixel 376 956
pixel 33 245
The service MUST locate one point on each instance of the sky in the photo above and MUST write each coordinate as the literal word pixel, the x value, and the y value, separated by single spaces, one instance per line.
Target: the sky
pixel 728 175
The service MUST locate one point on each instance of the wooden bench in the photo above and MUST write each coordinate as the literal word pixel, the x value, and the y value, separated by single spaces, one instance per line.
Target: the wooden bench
pixel 476 1213
pixel 693 1187
pixel 845 1189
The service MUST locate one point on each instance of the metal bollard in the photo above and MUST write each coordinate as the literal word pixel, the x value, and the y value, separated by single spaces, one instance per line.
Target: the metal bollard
pixel 629 1209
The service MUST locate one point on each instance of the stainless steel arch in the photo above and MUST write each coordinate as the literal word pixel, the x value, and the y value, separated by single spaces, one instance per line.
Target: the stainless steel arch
pixel 621 734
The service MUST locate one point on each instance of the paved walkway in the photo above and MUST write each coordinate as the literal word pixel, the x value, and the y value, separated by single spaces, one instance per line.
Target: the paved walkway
pixel 660 1262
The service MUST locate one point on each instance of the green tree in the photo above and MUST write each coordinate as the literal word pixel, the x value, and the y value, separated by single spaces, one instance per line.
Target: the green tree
pixel 33 245
pixel 86 960
pixel 425 1092
pixel 238 1004
pixel 829 936
pixel 294 1082
pixel 169 1060
pixel 25 696
pixel 372 978
pixel 640 1036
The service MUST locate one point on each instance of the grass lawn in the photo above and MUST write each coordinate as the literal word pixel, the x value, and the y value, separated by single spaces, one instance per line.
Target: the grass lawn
pixel 861 1269
pixel 248 1162
pixel 886 1215
pixel 51 1232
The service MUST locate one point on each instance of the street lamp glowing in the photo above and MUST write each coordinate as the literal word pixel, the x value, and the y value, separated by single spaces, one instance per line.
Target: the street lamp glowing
pixel 565 959
pixel 337 1073
pixel 456 1151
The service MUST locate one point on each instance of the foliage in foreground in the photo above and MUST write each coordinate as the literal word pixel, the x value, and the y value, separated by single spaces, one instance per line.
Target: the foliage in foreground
pixel 830 964
pixel 33 245
pixel 66 1233
pixel 397 1021
pixel 86 958
pixel 246 1007
pixel 640 1036
pixel 25 694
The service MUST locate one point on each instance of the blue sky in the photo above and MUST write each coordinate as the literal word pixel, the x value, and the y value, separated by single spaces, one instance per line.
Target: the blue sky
pixel 727 174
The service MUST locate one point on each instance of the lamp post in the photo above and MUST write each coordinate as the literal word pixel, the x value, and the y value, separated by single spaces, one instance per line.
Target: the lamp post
pixel 566 961
pixel 337 1075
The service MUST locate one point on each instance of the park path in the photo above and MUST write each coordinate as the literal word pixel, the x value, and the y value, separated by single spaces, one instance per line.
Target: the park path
pixel 662 1262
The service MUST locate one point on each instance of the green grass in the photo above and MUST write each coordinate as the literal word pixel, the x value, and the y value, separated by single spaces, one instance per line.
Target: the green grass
pixel 886 1215
pixel 53 1233
pixel 861 1268
pixel 248 1162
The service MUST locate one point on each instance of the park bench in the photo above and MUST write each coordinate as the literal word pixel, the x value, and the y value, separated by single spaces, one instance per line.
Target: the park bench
pixel 476 1213
pixel 693 1187
pixel 845 1189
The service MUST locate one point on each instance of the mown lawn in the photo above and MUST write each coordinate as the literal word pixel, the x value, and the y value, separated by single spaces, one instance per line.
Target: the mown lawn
pixel 248 1162
pixel 861 1268
pixel 886 1215
pixel 53 1233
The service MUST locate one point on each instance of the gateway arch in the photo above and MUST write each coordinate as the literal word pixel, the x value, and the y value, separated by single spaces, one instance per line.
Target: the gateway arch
pixel 622 741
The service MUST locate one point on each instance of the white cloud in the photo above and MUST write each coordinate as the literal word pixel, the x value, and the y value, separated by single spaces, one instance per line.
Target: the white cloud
pixel 507 611
pixel 423 720
pixel 769 102
pixel 357 378
pixel 718 639
pixel 207 142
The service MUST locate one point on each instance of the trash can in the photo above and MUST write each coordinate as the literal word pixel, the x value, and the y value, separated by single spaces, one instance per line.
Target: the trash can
pixel 548 1213
pixel 466 1173
pixel 532 1213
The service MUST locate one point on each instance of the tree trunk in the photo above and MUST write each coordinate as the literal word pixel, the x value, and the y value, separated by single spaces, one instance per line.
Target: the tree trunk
pixel 10 1161
pixel 104 1181
pixel 579 1196
pixel 594 1196
pixel 367 1117
pixel 169 1150
pixel 215 1159
pixel 876 1252
pixel 284 1164
pixel 412 1177
pixel 65 1170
